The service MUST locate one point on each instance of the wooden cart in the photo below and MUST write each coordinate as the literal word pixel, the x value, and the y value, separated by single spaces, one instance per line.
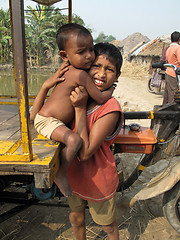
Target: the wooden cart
pixel 22 151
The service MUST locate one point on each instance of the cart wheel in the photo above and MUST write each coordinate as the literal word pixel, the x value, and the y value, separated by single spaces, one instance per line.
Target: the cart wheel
pixel 171 206
pixel 151 88
pixel 2 184
pixel 43 194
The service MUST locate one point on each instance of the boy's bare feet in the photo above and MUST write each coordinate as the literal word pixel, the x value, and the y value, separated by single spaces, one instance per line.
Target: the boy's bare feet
pixel 63 185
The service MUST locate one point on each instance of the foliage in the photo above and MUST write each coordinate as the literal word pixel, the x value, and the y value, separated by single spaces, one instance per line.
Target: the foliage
pixel 40 33
pixel 5 36
pixel 104 38
pixel 41 25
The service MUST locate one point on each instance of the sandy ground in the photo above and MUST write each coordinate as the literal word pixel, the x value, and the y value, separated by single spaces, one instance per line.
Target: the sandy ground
pixel 133 95
pixel 144 221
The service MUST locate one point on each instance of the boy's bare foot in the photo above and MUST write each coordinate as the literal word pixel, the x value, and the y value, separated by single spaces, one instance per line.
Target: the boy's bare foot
pixel 63 185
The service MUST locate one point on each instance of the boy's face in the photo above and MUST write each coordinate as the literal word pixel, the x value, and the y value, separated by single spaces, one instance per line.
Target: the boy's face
pixel 103 72
pixel 79 51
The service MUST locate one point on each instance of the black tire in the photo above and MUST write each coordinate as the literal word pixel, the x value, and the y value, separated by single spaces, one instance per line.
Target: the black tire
pixel 150 86
pixel 155 89
pixel 162 86
pixel 171 206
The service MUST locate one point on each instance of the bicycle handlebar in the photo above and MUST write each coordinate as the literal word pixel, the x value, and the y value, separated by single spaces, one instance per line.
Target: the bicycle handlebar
pixel 158 65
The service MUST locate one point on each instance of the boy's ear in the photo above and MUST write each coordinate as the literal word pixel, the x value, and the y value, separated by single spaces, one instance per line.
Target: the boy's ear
pixel 63 55
pixel 118 75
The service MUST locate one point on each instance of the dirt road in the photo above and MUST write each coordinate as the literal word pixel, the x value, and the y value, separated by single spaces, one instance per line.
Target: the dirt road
pixel 144 221
pixel 133 95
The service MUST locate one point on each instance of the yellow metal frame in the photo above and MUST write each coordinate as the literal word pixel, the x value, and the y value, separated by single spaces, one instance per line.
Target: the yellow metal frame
pixel 17 157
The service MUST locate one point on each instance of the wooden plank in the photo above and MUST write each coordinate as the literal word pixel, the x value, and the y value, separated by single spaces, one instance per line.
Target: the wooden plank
pixel 45 161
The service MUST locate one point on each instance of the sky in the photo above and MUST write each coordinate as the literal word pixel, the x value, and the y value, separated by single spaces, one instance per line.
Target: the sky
pixel 121 18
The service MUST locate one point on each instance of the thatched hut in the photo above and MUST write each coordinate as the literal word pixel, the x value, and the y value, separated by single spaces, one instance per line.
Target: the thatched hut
pixel 150 52
pixel 130 42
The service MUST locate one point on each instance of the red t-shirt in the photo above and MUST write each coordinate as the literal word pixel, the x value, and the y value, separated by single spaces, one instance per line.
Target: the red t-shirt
pixel 96 179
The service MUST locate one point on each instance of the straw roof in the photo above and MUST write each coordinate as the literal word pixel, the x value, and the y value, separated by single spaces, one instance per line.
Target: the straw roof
pixel 154 48
pixel 132 41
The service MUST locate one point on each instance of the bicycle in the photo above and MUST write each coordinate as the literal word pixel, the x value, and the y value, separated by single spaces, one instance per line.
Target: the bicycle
pixel 156 82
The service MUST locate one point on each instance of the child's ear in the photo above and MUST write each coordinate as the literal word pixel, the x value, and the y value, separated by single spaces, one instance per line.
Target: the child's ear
pixel 119 74
pixel 63 55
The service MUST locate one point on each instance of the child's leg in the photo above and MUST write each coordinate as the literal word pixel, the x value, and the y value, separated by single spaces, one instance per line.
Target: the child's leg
pixel 104 214
pixel 77 216
pixel 77 220
pixel 112 231
pixel 73 143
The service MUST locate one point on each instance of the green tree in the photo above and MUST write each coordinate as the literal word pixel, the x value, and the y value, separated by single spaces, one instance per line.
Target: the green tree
pixel 5 36
pixel 40 33
pixel 41 27
pixel 104 38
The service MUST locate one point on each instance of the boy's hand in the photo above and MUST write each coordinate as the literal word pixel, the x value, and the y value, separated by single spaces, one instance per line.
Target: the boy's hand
pixel 79 97
pixel 111 90
pixel 57 76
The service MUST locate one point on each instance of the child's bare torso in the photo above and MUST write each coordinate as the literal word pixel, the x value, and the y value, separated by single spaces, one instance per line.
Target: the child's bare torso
pixel 59 105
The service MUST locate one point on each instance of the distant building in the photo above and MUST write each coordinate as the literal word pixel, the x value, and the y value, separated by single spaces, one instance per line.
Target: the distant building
pixel 150 52
pixel 130 42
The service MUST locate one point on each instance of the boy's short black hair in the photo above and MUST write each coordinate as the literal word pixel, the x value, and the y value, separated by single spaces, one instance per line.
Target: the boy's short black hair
pixel 175 36
pixel 67 30
pixel 112 52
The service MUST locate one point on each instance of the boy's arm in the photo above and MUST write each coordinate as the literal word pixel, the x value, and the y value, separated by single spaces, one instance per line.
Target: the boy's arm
pixel 102 128
pixel 86 81
pixel 49 83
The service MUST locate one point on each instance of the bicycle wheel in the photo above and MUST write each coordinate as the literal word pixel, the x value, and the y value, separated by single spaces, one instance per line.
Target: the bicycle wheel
pixel 171 206
pixel 151 88
pixel 162 86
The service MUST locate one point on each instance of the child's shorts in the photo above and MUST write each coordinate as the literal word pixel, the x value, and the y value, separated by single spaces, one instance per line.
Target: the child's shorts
pixel 103 213
pixel 46 125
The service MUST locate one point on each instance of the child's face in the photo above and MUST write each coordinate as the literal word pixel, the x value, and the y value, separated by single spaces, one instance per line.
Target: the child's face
pixel 79 51
pixel 103 72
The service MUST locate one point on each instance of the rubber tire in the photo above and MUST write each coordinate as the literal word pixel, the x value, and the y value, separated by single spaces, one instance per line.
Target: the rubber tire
pixel 171 206
pixel 155 90
pixel 43 194
pixel 162 86
pixel 149 86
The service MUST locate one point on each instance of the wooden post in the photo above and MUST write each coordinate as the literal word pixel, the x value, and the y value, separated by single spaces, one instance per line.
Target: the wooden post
pixel 70 11
pixel 19 50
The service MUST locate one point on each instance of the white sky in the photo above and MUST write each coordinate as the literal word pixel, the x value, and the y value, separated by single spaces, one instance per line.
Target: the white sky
pixel 121 18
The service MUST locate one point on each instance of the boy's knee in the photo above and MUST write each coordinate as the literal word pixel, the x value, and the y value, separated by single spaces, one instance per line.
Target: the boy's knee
pixel 77 219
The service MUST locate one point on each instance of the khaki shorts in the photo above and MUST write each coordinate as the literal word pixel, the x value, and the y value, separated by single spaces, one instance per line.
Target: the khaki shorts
pixel 103 213
pixel 46 125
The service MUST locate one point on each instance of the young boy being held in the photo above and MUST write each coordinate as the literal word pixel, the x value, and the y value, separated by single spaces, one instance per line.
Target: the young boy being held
pixel 76 47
